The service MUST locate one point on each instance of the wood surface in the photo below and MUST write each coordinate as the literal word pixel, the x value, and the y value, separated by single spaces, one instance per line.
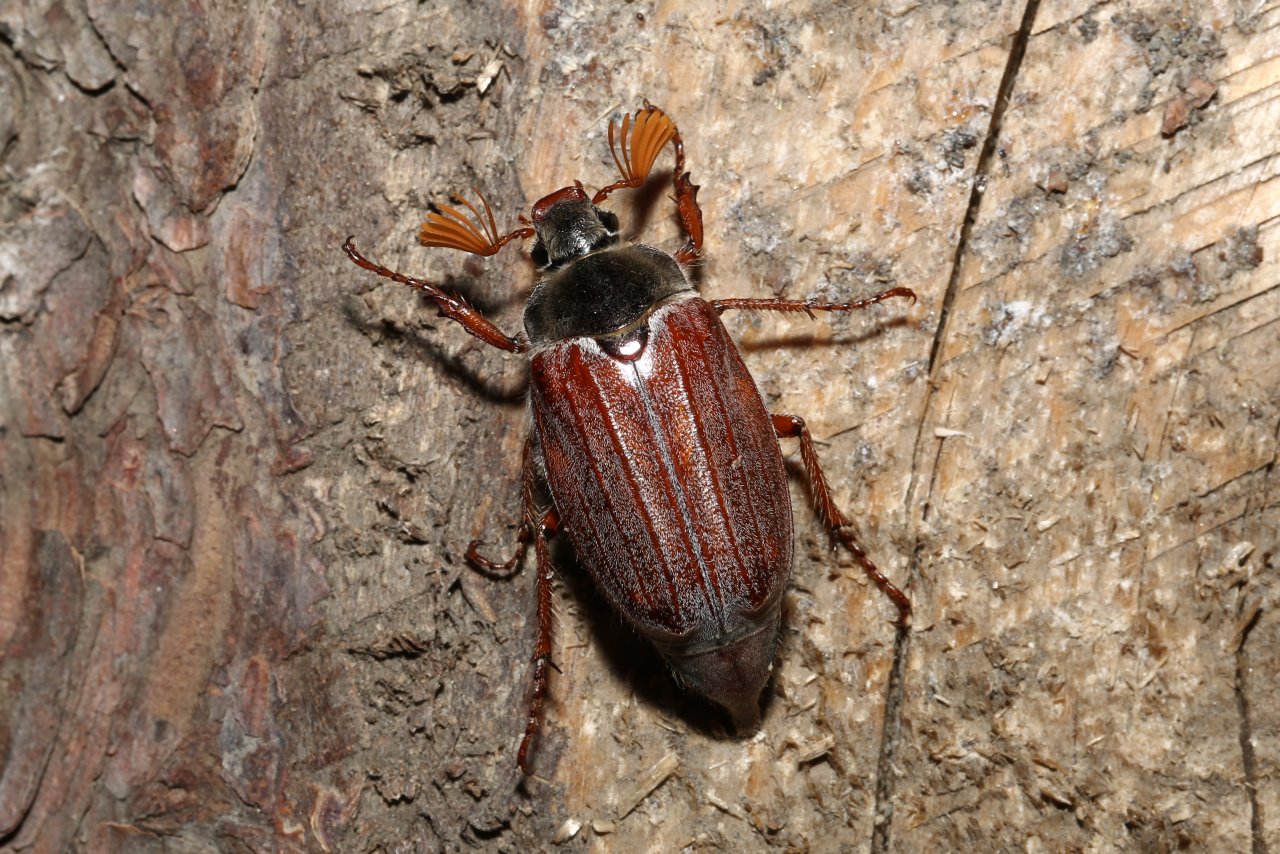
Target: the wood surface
pixel 239 474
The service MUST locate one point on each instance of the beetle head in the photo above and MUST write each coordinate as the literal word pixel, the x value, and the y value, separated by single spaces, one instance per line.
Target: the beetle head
pixel 569 226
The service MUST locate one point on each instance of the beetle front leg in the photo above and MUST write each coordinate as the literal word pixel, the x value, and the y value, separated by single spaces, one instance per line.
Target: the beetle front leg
pixel 548 528
pixel 450 306
pixel 808 306
pixel 635 148
pixel 687 209
pixel 793 427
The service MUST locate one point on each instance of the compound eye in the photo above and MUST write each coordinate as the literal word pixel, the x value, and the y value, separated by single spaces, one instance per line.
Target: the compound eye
pixel 627 347
pixel 608 219
pixel 539 256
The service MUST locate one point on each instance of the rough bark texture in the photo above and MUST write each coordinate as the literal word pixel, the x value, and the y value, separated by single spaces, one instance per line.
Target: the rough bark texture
pixel 239 474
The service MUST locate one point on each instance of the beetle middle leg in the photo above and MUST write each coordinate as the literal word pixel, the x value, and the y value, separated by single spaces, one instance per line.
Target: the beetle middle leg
pixel 793 427
pixel 530 519
pixel 808 306
pixel 544 530
pixel 539 526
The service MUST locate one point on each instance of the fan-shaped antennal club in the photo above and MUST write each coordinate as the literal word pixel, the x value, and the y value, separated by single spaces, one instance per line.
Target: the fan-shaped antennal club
pixel 477 234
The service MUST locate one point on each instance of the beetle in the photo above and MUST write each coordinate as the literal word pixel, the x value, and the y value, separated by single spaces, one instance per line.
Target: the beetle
pixel 661 463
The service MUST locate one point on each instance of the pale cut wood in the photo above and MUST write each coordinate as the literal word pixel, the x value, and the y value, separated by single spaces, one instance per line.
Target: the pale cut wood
pixel 1091 544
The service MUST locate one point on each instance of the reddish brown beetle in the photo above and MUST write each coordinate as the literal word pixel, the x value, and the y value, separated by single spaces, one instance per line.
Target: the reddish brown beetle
pixel 660 459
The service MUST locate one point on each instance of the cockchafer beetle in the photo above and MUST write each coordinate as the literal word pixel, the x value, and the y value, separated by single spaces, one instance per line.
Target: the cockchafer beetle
pixel 660 460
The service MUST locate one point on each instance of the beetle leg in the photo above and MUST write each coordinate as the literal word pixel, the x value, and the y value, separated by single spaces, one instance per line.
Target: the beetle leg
pixel 793 427
pixel 529 519
pixel 808 306
pixel 635 147
pixel 687 209
pixel 539 526
pixel 450 306
pixel 499 569
pixel 548 527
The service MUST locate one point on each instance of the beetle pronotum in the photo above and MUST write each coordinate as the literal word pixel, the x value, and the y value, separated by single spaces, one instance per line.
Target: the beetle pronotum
pixel 660 460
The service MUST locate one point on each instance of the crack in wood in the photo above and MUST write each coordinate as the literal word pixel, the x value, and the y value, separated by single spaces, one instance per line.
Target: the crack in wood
pixel 1259 844
pixel 891 735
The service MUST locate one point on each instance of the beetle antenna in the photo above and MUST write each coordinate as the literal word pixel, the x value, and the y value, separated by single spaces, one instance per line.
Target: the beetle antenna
pixel 477 234
pixel 635 147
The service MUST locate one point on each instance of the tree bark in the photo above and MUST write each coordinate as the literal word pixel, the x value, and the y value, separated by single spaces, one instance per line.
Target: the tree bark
pixel 239 474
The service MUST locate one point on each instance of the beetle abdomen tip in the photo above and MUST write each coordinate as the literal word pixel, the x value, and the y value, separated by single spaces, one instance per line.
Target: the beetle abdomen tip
pixel 733 675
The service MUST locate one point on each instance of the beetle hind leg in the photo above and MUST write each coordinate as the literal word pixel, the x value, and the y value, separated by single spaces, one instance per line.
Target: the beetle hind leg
pixel 839 525
pixel 546 625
